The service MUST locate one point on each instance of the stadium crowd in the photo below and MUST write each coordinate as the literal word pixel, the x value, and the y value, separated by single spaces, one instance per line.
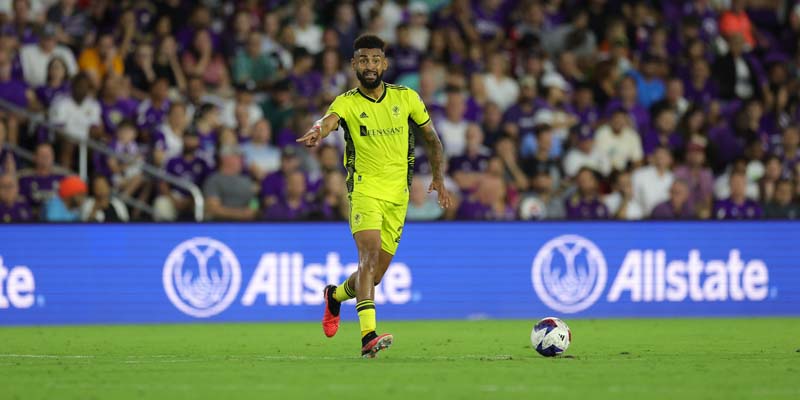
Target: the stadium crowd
pixel 547 109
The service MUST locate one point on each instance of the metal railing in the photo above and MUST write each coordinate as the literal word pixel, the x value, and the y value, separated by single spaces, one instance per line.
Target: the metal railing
pixel 37 119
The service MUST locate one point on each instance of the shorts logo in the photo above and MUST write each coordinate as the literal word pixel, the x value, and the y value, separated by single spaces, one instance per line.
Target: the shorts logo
pixel 357 219
pixel 569 273
pixel 202 277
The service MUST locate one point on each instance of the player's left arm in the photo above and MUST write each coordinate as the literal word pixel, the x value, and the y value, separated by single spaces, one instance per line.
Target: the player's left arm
pixel 433 146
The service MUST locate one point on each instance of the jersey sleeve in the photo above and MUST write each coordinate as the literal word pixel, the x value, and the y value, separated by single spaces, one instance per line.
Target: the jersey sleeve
pixel 338 107
pixel 418 111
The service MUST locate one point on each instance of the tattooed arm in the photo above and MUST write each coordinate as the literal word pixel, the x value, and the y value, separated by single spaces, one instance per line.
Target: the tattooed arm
pixel 433 148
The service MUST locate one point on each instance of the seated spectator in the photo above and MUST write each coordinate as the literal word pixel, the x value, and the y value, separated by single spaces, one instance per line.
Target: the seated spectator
pixel 673 99
pixel 518 121
pixel 619 142
pixel 229 194
pixel 66 207
pixel 154 109
pixel 293 206
pixel 543 159
pixel 468 168
pixel 541 202
pixel 737 206
pixel 37 185
pixel 207 128
pixel 244 101
pixel 651 183
pixel 620 202
pixel 782 205
pixel 629 100
pixel 773 173
pixel 500 87
pixel 452 127
pixel 331 203
pixel 422 207
pixel 698 176
pixel 102 206
pixel 650 86
pixel 78 114
pixel 126 168
pixel 57 83
pixel 663 133
pixel 677 206
pixel 253 67
pixel 260 156
pixel 274 184
pixel 13 207
pixel 102 60
pixel 202 60
pixel 168 137
pixel 586 155
pixel 13 90
pixel 506 151
pixel 585 202
pixel 487 202
pixel 115 104
pixel 736 74
pixel 722 188
pixel 174 202
pixel 788 150
pixel 700 88
pixel 35 58
pixel 8 162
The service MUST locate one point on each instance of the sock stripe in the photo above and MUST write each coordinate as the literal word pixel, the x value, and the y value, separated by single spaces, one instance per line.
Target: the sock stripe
pixel 347 288
pixel 365 305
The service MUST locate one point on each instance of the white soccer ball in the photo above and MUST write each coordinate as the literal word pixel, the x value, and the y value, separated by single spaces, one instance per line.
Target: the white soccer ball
pixel 550 337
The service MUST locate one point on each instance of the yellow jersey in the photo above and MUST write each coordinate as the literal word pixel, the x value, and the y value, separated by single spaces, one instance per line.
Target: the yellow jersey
pixel 379 141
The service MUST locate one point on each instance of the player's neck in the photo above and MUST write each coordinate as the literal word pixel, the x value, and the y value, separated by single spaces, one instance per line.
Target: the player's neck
pixel 375 93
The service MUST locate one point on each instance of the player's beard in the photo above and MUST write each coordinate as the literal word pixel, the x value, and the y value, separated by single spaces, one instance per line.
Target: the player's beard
pixel 367 84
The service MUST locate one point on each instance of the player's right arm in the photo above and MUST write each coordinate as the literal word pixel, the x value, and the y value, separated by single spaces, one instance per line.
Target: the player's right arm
pixel 321 129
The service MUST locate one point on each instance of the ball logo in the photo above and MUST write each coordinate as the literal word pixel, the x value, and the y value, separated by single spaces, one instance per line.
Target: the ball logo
pixel 202 277
pixel 569 273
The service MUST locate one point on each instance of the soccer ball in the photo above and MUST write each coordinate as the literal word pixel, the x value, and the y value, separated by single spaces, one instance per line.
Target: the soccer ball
pixel 550 337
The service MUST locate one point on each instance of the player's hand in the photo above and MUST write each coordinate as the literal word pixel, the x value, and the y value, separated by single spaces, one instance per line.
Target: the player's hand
pixel 311 138
pixel 444 195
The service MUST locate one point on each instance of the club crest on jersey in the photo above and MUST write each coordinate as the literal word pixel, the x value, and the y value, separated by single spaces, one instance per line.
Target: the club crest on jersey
pixel 395 110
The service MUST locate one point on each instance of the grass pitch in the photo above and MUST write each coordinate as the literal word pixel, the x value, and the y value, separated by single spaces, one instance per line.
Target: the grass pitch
pixel 608 359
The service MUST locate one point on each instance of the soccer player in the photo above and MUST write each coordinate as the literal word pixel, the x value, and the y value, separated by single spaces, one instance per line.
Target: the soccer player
pixel 377 119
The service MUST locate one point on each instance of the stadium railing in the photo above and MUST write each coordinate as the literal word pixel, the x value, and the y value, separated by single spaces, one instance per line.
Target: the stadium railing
pixel 36 120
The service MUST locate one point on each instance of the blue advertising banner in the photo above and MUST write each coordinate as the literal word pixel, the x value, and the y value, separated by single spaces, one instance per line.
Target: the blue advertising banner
pixel 150 273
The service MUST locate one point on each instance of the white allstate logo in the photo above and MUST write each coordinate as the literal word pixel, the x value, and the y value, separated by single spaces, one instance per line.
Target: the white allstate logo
pixel 206 282
pixel 569 273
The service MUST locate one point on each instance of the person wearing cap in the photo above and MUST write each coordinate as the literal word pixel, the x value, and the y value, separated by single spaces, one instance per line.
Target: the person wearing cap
pixel 35 57
pixel 555 100
pixel 228 194
pixel 66 207
pixel 585 154
pixel 621 144
pixel 13 207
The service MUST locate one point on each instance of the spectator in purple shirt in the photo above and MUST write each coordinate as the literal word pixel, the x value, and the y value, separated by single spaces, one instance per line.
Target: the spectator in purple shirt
pixel 57 83
pixel 207 128
pixel 488 202
pixel 518 119
pixel 13 207
pixel 663 133
pixel 40 183
pixel 737 206
pixel 405 58
pixel 698 177
pixel 307 82
pixel 677 207
pixel 14 91
pixel 700 88
pixel 468 168
pixel 293 206
pixel 628 100
pixel 585 203
pixel 273 186
pixel 174 202
pixel 115 105
pixel 153 110
pixel 331 203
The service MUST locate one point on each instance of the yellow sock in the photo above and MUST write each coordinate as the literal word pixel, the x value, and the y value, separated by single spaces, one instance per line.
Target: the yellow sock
pixel 366 316
pixel 343 292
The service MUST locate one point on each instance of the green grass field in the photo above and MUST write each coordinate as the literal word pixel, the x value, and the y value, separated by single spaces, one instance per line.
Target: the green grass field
pixel 609 359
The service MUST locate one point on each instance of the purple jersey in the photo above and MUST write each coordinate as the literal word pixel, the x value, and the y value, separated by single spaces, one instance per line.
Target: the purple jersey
pixel 46 94
pixel 405 60
pixel 703 95
pixel 639 114
pixel 273 185
pixel 578 208
pixel 14 91
pixel 652 140
pixel 729 209
pixel 665 211
pixel 308 85
pixel 193 169
pixel 465 163
pixel 150 116
pixel 283 211
pixel 17 212
pixel 116 112
pixel 522 118
pixel 37 189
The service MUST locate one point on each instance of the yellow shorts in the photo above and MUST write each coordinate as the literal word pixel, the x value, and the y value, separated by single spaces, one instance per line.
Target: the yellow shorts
pixel 369 213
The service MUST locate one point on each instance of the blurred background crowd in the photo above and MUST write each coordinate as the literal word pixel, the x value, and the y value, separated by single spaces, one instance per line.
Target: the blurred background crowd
pixel 547 109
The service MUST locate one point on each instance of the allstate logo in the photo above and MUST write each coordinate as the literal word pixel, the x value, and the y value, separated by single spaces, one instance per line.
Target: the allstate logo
pixel 569 273
pixel 202 277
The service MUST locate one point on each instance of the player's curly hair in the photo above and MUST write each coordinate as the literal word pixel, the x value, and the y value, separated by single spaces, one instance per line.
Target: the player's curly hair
pixel 369 42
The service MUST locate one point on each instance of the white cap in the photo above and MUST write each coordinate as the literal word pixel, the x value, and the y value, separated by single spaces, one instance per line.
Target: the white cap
pixel 554 79
pixel 543 117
